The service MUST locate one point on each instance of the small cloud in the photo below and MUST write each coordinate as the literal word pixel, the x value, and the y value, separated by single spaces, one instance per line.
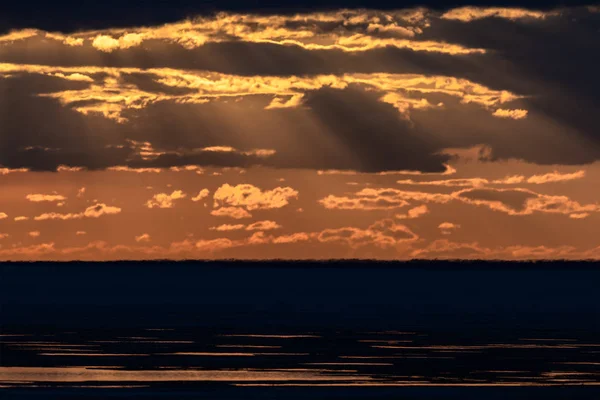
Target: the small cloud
pixel 514 114
pixel 201 195
pixel 227 227
pixel 66 168
pixel 34 234
pixel 263 226
pixel 37 198
pixel 3 215
pixel 232 212
pixel 556 177
pixel 164 200
pixel 21 218
pixel 415 212
pixel 579 216
pixel 81 192
pixel 448 227
pixel 142 238
pixel 94 211
pixel 81 233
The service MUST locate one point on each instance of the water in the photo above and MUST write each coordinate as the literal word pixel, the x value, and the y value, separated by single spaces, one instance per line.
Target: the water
pixel 300 331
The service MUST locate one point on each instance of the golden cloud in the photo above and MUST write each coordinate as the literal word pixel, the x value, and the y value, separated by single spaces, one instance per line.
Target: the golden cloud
pixel 252 197
pixel 383 234
pixel 353 31
pixel 112 96
pixel 37 198
pixel 227 227
pixel 142 238
pixel 467 14
pixel 201 195
pixel 556 177
pixel 165 200
pixel 231 212
pixel 448 227
pixel 95 211
pixel 415 212
pixel 263 226
pixel 514 114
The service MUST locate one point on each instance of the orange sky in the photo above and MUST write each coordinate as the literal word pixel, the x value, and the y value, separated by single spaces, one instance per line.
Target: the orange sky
pixel 361 134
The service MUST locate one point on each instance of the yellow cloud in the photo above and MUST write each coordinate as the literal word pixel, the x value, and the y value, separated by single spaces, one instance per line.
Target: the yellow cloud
pixel 263 226
pixel 232 212
pixel 448 227
pixel 467 14
pixel 112 96
pixel 556 177
pixel 252 197
pixel 227 227
pixel 37 198
pixel 165 200
pixel 142 238
pixel 201 195
pixel 514 114
pixel 95 211
pixel 415 212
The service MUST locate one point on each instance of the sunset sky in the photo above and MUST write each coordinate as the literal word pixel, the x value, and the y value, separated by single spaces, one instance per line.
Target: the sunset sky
pixel 464 132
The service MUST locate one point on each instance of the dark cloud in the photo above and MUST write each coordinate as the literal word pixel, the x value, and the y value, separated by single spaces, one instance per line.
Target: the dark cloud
pixel 552 62
pixel 65 15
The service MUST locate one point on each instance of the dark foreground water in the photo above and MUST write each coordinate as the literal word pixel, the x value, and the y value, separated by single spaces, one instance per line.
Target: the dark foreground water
pixel 300 331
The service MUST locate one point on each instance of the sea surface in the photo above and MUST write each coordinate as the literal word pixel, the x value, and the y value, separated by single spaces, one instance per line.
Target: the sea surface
pixel 303 330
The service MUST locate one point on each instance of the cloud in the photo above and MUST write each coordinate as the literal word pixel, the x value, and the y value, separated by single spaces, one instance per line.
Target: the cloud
pixel 231 212
pixel 311 87
pixel 383 234
pixel 20 218
pixel 201 195
pixel 523 201
pixel 252 197
pixel 415 212
pixel 362 203
pixel 448 227
pixel 292 238
pixel 6 171
pixel 4 235
pixel 80 233
pixel 514 114
pixel 95 211
pixel 34 234
pixel 37 198
pixel 263 226
pixel 468 14
pixel 344 30
pixel 556 177
pixel 443 248
pixel 123 168
pixel 213 245
pixel 165 200
pixel 579 215
pixel 3 215
pixel 385 198
pixel 227 227
pixel 143 238
pixel 472 182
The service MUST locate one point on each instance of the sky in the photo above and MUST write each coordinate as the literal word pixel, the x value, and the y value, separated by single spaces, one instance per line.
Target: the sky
pixel 418 130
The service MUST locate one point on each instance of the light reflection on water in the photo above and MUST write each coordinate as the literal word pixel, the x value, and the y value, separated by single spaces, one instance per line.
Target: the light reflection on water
pixel 319 359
